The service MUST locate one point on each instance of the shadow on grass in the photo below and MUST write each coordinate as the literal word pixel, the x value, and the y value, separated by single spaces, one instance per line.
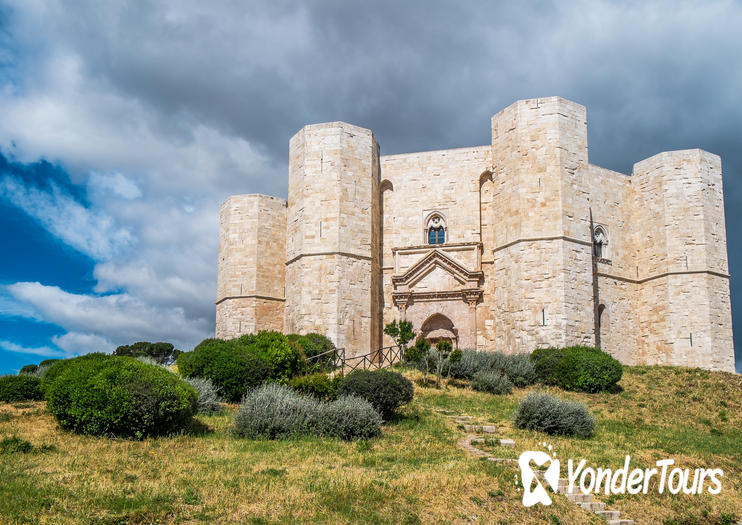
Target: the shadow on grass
pixel 198 429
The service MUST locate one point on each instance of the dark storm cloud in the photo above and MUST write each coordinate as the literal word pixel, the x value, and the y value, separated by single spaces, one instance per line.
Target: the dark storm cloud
pixel 421 74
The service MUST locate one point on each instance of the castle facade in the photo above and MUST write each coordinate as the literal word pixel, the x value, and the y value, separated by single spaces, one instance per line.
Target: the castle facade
pixel 515 245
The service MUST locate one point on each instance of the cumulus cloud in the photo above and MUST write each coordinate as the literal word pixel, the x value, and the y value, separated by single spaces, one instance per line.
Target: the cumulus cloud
pixel 76 343
pixel 93 233
pixel 118 318
pixel 39 350
pixel 116 183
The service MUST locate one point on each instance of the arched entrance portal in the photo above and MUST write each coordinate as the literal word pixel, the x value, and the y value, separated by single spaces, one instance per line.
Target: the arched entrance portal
pixel 439 327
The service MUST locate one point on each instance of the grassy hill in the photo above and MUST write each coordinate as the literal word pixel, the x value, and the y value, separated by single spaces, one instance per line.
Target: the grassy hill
pixel 415 473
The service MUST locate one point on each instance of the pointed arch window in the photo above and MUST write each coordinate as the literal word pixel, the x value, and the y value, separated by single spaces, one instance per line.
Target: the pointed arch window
pixel 436 230
pixel 600 243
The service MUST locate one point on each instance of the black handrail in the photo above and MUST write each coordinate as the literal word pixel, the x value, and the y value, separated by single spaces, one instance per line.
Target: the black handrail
pixel 373 360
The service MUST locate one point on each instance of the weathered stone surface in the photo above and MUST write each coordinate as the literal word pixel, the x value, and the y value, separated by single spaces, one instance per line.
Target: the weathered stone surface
pixel 518 269
pixel 251 273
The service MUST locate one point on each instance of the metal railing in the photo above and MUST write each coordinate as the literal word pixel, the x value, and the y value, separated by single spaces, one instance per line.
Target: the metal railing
pixel 373 360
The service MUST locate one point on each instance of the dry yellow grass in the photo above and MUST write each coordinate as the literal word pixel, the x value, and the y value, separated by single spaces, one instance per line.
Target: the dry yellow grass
pixel 415 473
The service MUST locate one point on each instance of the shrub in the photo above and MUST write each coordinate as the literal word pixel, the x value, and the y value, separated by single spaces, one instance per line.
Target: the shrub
pixel 312 345
pixel 49 362
pixel 417 352
pixel 148 360
pixel 385 390
pixel 231 366
pixel 20 388
pixel 318 385
pixel 580 368
pixel 516 367
pixel 162 353
pixel 349 418
pixel 119 396
pixel 57 368
pixel 41 371
pixel 208 395
pixel 492 382
pixel 549 414
pixel 274 347
pixel 274 411
pixel 28 369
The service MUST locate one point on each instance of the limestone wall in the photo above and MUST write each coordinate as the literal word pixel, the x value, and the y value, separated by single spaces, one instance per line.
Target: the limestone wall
pixel 333 236
pixel 251 272
pixel 683 310
pixel 611 202
pixel 542 275
pixel 414 185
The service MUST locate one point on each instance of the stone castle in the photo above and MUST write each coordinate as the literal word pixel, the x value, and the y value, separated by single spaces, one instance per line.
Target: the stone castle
pixel 511 246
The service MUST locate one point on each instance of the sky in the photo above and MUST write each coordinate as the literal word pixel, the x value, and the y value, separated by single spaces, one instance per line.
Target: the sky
pixel 124 125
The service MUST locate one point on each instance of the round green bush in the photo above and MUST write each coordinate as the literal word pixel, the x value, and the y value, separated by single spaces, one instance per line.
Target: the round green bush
pixel 28 369
pixel 274 347
pixel 318 385
pixel 312 345
pixel 120 396
pixel 231 366
pixel 580 368
pixel 20 388
pixel 549 414
pixel 492 382
pixel 385 390
pixel 58 367
pixel 545 361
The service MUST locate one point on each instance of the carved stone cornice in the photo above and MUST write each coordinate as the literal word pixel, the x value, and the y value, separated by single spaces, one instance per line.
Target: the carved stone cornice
pixel 470 279
pixel 469 295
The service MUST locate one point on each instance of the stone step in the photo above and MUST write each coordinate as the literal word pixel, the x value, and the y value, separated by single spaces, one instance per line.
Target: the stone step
pixel 579 497
pixel 486 429
pixel 609 515
pixel 621 522
pixel 593 506
pixel 507 443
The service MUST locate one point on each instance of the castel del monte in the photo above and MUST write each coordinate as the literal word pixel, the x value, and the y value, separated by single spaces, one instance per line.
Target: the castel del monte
pixel 513 245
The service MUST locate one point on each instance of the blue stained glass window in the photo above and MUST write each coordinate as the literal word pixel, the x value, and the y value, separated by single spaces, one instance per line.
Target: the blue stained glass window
pixel 436 236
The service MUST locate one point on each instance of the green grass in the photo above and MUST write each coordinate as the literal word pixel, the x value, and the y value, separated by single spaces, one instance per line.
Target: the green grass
pixel 414 473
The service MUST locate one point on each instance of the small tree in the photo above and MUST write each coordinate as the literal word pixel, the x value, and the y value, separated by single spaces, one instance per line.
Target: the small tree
pixel 444 351
pixel 419 352
pixel 163 353
pixel 401 332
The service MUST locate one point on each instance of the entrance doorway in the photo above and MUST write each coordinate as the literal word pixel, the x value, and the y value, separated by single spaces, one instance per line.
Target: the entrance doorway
pixel 438 327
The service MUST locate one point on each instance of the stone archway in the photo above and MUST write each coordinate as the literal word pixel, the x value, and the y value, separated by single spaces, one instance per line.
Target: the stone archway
pixel 438 327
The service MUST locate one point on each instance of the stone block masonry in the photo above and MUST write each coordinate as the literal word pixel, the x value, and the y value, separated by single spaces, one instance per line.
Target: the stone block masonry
pixel 511 246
